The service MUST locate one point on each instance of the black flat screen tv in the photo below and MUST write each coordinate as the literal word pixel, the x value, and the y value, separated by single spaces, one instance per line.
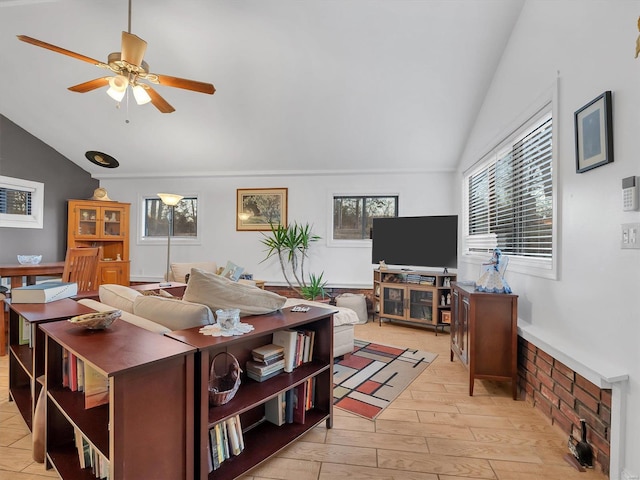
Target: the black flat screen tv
pixel 430 242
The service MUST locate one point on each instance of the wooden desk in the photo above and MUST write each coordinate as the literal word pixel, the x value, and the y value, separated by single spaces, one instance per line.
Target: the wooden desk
pixel 22 275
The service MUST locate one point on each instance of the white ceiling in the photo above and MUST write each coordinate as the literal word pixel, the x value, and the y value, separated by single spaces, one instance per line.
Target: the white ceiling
pixel 302 85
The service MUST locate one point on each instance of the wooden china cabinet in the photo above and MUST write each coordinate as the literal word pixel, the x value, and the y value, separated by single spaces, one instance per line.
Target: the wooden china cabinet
pixel 104 224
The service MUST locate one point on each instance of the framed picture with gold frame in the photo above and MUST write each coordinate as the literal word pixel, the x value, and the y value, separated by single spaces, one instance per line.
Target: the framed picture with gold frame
pixel 259 208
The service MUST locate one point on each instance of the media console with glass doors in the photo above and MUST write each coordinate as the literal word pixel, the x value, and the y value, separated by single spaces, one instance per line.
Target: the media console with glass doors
pixel 413 296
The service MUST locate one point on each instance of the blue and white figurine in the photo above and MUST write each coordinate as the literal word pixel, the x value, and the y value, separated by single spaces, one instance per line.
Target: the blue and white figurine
pixel 492 278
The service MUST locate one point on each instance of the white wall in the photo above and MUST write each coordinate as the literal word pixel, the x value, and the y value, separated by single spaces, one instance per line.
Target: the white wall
pixel 309 201
pixel 593 305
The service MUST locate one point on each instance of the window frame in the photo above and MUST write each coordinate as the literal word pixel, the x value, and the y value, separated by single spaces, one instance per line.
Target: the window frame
pixel 545 268
pixel 353 243
pixel 36 219
pixel 162 240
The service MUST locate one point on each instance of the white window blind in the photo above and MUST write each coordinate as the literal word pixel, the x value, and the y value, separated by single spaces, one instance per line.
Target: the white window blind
pixel 510 202
pixel 21 203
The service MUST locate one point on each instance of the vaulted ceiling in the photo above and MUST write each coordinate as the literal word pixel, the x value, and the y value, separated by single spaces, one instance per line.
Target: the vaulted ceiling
pixel 302 85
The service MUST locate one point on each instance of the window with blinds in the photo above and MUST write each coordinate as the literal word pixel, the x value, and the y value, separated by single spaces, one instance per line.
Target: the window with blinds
pixel 21 203
pixel 510 197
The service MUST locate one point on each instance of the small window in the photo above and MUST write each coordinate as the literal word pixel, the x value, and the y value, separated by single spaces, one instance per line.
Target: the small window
pixel 156 218
pixel 21 203
pixel 353 215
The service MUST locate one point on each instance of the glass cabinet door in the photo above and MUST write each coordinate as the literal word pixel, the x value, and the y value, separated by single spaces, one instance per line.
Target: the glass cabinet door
pixel 421 305
pixel 393 301
pixel 112 222
pixel 88 221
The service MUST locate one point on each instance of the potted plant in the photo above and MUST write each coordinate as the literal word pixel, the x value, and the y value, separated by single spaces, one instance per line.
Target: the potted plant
pixel 314 290
pixel 291 245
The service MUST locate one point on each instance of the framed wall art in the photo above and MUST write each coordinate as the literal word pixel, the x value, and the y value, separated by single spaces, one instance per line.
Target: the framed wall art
pixel 594 133
pixel 258 208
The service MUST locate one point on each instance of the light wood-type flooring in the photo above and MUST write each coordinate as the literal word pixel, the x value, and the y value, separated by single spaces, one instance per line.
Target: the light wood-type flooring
pixel 433 431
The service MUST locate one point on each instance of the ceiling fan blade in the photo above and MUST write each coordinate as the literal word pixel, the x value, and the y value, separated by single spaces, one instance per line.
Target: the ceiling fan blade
pixel 158 102
pixel 192 85
pixel 90 85
pixel 133 48
pixel 48 46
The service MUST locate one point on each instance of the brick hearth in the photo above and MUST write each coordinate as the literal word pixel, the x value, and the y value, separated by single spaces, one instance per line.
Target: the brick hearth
pixel 565 397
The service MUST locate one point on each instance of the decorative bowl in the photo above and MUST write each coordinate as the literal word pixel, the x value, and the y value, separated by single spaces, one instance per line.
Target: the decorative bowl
pixel 29 259
pixel 98 320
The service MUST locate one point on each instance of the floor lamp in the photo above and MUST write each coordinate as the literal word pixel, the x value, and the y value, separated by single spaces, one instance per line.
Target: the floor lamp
pixel 170 200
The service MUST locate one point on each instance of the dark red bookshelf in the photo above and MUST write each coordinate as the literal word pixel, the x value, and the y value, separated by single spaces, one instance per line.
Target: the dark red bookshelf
pixel 262 439
pixel 147 428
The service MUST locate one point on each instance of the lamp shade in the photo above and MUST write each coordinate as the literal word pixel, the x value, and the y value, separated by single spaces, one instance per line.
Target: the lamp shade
pixel 141 95
pixel 117 87
pixel 170 199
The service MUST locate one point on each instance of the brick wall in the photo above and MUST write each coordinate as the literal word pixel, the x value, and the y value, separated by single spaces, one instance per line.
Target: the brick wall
pixel 565 397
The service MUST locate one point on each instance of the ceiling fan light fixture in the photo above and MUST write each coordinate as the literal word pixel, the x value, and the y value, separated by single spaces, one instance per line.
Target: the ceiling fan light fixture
pixel 140 94
pixel 117 87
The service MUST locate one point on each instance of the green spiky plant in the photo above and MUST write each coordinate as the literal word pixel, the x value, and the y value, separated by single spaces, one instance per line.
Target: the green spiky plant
pixel 291 245
pixel 315 288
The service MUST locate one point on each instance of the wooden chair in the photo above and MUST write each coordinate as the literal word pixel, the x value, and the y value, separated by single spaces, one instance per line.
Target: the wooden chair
pixel 81 267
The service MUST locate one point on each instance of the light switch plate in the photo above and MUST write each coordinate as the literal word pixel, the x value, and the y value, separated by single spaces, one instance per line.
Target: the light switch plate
pixel 630 236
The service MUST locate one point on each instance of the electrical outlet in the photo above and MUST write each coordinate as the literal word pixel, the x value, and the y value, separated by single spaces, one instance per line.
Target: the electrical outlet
pixel 630 236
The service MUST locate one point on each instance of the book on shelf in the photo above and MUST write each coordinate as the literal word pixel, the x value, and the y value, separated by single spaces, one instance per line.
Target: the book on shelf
pixel 299 402
pixel 262 378
pixel 287 339
pixel 238 426
pixel 96 387
pixel 218 436
pixel 261 369
pixel 225 440
pixel 65 367
pixel 80 372
pixel 288 417
pixel 73 372
pixel 234 441
pixel 268 352
pixel 24 331
pixel 274 409
pixel 43 292
pixel 269 361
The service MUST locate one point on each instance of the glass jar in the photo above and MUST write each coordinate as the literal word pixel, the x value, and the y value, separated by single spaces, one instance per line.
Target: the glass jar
pixel 228 319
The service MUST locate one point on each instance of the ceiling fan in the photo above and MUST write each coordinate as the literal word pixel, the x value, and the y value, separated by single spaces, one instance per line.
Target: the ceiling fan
pixel 130 69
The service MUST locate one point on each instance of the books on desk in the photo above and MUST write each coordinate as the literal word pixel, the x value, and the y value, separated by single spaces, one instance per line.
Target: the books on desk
pixel 44 292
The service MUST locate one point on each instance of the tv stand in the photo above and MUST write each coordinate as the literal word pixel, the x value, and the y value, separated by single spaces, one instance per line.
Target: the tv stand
pixel 417 297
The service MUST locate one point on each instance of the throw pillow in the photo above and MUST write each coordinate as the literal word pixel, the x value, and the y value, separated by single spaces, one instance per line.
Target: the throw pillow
pixel 118 296
pixel 171 313
pixel 219 292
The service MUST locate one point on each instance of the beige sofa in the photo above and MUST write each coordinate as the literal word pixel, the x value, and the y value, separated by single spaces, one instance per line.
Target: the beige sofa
pixel 162 314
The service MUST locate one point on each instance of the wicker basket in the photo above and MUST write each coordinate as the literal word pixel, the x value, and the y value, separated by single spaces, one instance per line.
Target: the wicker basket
pixel 223 388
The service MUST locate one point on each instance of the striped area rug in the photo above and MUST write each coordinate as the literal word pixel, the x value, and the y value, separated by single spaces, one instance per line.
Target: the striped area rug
pixel 374 375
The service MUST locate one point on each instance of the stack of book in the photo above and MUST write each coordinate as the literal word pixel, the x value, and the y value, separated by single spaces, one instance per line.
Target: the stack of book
pixel 225 440
pixel 268 361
